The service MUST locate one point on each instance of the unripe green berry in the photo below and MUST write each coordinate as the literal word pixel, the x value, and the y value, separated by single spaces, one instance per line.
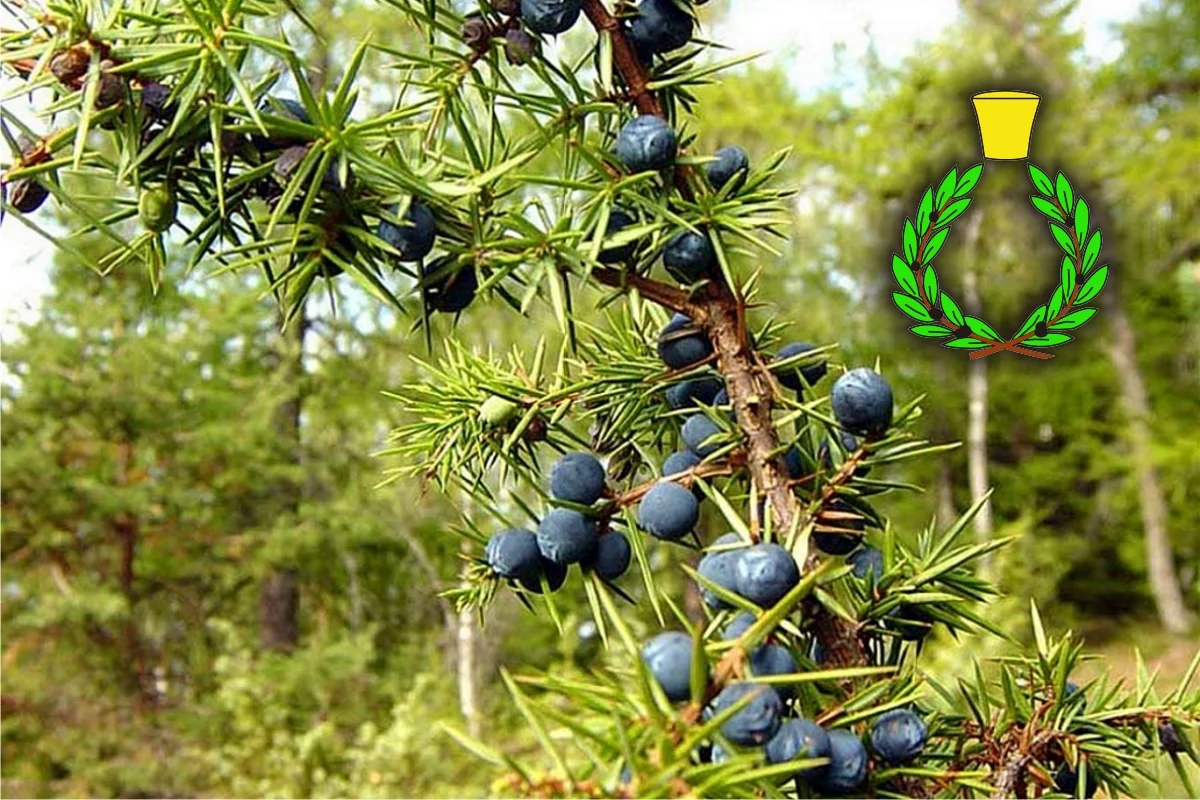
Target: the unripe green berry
pixel 157 208
pixel 497 410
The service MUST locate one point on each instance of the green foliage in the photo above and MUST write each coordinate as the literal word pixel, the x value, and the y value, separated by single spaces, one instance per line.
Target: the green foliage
pixel 150 420
pixel 317 724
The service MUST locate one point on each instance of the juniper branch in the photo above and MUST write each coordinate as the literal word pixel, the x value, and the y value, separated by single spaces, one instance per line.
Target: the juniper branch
pixel 750 386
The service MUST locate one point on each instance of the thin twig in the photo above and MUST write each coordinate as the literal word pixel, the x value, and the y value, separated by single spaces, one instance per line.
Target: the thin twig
pixel 624 57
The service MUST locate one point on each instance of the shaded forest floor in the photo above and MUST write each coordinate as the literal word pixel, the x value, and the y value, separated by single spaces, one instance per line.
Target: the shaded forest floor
pixel 1117 647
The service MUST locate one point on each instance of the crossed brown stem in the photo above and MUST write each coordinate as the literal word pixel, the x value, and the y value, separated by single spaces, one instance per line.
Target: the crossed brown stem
pixel 1010 347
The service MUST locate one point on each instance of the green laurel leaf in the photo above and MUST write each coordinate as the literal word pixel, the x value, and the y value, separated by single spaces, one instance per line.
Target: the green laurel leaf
pixel 1067 277
pixel 982 329
pixel 910 241
pixel 912 307
pixel 1041 181
pixel 931 286
pixel 1082 219
pixel 1070 222
pixel 967 182
pixel 1062 190
pixel 1038 315
pixel 1049 340
pixel 1063 238
pixel 946 187
pixel 952 212
pixel 1092 286
pixel 1092 251
pixel 1074 319
pixel 935 245
pixel 924 211
pixel 904 275
pixel 1056 304
pixel 969 343
pixel 1046 207
pixel 951 310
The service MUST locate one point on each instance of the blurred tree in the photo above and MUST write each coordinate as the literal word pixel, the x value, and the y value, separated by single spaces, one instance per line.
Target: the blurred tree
pixel 1151 174
pixel 126 497
pixel 142 466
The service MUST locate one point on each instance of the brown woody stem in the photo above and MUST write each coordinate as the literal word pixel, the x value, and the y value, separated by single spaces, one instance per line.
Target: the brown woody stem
pixel 750 393
pixel 1010 777
pixel 624 57
pixel 662 293
pixel 686 478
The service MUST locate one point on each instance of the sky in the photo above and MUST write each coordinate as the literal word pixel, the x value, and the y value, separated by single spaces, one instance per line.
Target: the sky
pixel 811 27
pixel 805 30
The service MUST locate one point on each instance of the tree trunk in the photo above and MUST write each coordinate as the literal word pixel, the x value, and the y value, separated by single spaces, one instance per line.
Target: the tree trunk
pixel 353 590
pixel 977 400
pixel 279 595
pixel 125 530
pixel 977 455
pixel 946 513
pixel 1160 563
pixel 135 655
pixel 467 673
pixel 279 611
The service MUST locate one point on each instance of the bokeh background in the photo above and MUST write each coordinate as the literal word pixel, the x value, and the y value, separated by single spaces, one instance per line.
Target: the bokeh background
pixel 204 594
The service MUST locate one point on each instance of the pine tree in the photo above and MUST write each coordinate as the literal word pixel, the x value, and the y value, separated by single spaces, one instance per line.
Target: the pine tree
pixel 550 175
pixel 120 478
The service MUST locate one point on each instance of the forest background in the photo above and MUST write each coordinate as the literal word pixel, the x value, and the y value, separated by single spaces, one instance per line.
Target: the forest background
pixel 205 594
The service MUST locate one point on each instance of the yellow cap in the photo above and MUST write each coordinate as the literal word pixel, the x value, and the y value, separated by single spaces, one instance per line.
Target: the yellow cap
pixel 1005 123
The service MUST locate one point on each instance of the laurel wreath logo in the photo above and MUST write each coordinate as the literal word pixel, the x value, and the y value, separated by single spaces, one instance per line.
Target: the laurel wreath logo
pixel 941 317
